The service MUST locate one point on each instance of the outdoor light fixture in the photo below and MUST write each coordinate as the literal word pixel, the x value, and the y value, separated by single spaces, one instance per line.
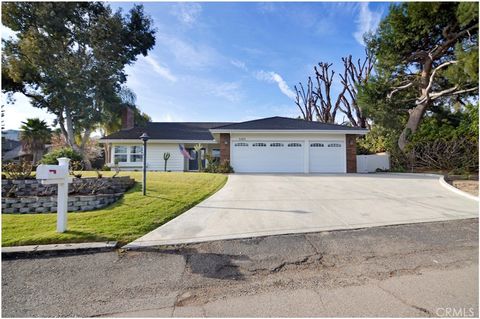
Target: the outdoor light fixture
pixel 144 137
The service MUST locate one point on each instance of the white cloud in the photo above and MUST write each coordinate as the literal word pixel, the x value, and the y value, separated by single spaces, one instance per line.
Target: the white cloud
pixel 367 21
pixel 267 7
pixel 276 78
pixel 161 70
pixel 239 64
pixel 187 13
pixel 188 54
pixel 227 90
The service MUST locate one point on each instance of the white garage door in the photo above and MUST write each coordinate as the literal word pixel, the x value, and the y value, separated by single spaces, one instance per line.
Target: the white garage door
pixel 268 156
pixel 327 157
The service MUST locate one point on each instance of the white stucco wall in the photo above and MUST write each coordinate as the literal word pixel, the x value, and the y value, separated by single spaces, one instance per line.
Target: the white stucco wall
pixel 370 163
pixel 155 161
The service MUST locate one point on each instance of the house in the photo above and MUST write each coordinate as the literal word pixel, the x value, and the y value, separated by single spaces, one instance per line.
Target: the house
pixel 12 150
pixel 274 144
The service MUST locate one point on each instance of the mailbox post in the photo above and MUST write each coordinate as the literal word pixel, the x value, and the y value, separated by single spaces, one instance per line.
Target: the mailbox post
pixel 58 174
pixel 144 137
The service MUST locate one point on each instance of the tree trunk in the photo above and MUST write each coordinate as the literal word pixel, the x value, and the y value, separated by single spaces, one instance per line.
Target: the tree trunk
pixel 415 115
pixel 86 160
pixel 414 118
pixel 70 138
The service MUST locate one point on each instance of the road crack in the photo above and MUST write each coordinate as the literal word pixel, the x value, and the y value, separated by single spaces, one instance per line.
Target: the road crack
pixel 424 310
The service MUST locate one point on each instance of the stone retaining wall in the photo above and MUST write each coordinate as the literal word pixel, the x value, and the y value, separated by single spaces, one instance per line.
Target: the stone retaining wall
pixel 84 186
pixel 48 204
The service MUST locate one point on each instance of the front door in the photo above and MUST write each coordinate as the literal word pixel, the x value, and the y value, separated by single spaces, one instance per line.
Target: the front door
pixel 193 161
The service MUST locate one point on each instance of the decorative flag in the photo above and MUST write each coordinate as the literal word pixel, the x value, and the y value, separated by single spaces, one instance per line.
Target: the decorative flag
pixel 184 151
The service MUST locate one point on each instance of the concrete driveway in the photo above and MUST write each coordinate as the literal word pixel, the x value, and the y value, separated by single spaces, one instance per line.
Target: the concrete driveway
pixel 252 205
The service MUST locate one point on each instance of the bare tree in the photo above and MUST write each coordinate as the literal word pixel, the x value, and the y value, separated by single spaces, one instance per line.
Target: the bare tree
pixel 306 100
pixel 353 76
pixel 316 101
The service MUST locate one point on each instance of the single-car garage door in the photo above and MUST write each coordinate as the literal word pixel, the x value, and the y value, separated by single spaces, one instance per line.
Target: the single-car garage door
pixel 268 156
pixel 327 157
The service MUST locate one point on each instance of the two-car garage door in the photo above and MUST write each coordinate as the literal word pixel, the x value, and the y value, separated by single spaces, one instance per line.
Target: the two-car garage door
pixel 288 156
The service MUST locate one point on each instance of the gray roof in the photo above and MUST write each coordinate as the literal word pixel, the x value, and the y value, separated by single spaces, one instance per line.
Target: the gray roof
pixel 285 123
pixel 17 152
pixel 200 131
pixel 193 131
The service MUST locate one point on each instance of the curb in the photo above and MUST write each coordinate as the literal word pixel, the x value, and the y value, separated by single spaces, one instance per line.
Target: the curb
pixel 452 188
pixel 413 174
pixel 56 249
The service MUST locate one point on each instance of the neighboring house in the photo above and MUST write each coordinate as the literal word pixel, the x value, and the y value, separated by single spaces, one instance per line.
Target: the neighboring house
pixel 13 135
pixel 12 150
pixel 275 144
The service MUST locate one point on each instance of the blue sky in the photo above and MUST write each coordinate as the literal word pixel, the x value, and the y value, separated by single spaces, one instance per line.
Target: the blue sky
pixel 234 61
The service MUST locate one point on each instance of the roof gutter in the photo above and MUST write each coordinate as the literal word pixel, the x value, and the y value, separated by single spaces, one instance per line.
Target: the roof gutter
pixel 137 140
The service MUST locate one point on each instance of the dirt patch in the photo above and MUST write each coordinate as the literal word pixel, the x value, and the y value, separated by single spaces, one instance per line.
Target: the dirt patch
pixel 470 187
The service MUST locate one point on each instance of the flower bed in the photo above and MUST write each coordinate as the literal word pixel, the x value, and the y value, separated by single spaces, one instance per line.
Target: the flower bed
pixel 28 196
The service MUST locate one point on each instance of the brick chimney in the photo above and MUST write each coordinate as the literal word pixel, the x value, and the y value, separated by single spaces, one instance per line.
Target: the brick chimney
pixel 128 120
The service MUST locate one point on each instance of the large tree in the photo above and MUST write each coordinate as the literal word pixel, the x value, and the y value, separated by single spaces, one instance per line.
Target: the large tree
pixel 427 56
pixel 69 59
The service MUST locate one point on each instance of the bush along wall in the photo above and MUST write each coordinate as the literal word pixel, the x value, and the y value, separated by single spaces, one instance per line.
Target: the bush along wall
pixel 31 196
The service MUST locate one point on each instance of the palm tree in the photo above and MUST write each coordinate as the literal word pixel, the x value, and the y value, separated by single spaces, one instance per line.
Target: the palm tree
pixel 34 135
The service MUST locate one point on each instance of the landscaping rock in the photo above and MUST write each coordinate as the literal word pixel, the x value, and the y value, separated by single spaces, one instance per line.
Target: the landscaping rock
pixel 34 187
pixel 48 204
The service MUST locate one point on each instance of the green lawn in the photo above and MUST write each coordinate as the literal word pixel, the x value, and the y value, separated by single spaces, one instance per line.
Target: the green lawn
pixel 168 195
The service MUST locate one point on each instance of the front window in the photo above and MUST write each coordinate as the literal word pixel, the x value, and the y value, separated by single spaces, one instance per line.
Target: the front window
pixel 128 154
pixel 136 153
pixel 120 154
pixel 216 153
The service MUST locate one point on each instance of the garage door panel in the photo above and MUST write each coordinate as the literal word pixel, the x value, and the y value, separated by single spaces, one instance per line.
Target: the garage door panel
pixel 327 156
pixel 268 156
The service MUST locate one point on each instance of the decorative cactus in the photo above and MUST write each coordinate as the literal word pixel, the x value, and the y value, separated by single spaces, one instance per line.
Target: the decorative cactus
pixel 198 149
pixel 166 156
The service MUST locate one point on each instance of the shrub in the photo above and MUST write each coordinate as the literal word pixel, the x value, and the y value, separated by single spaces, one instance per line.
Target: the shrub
pixel 22 170
pixel 445 140
pixel 377 140
pixel 51 157
pixel 215 167
pixel 457 153
pixel 106 168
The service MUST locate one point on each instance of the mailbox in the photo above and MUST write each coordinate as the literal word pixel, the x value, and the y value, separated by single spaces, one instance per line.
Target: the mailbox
pixel 52 172
pixel 58 174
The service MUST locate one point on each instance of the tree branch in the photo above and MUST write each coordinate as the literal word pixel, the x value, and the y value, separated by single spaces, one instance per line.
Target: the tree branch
pixel 399 88
pixel 451 91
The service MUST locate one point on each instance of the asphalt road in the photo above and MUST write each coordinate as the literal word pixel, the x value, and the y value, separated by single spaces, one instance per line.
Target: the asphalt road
pixel 427 269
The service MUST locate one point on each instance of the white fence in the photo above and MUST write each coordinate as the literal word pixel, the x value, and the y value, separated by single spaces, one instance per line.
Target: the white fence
pixel 370 163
